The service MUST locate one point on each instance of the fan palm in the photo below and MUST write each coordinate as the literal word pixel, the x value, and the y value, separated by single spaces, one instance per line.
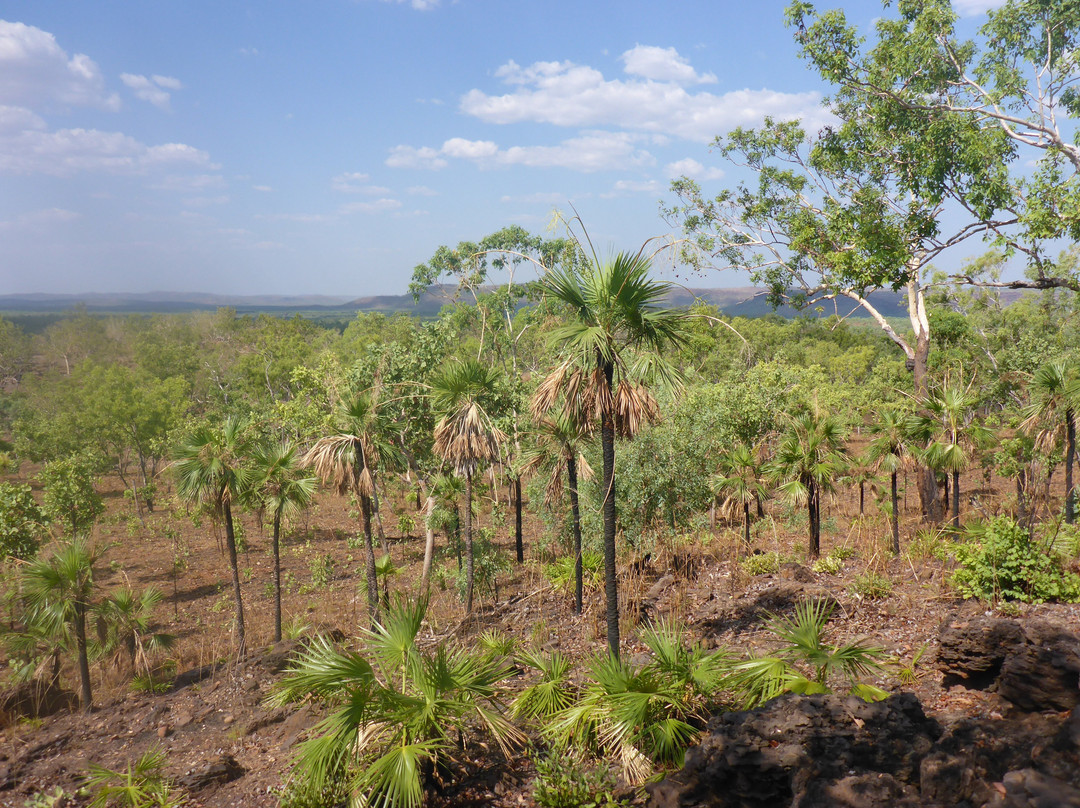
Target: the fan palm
pixel 350 459
pixel 613 343
pixel 558 441
pixel 810 454
pixel 888 451
pixel 396 711
pixel 465 435
pixel 1055 390
pixel 278 488
pixel 126 624
pixel 949 432
pixel 208 470
pixel 58 590
pixel 741 478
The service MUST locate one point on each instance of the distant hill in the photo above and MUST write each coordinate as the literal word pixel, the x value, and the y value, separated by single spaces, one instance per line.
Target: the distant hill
pixel 746 301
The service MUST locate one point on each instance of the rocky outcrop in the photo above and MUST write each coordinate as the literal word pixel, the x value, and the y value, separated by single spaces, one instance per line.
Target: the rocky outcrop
pixel 1034 665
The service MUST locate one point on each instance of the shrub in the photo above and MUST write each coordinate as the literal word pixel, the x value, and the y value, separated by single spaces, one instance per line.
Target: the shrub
pixel 22 522
pixel 829 564
pixel 872 585
pixel 1002 561
pixel 563 780
pixel 761 563
pixel 561 572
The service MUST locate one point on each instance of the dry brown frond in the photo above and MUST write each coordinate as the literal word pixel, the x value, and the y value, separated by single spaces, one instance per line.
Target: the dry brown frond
pixel 633 406
pixel 339 459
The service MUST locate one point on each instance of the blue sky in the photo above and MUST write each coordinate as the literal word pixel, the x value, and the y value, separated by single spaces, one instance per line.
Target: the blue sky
pixel 328 146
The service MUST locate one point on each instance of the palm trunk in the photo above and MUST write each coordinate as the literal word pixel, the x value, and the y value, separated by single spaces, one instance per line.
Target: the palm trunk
pixel 812 514
pixel 230 543
pixel 372 578
pixel 862 496
pixel 956 499
pixel 429 548
pixel 277 576
pixel 746 526
pixel 519 543
pixel 895 518
pixel 469 568
pixel 84 658
pixel 611 584
pixel 1070 457
pixel 575 513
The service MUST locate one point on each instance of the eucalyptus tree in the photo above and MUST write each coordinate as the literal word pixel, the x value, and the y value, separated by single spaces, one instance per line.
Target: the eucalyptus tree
pixel 612 345
pixel 558 441
pixel 810 453
pixel 351 458
pixel 948 429
pixel 209 470
pixel 889 449
pixel 741 478
pixel 465 435
pixel 1055 393
pixel 279 488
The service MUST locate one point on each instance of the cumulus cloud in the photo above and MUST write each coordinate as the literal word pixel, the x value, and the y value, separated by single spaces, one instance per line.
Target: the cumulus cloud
pixel 539 198
pixel 32 150
pixel 36 71
pixel 262 188
pixel 662 64
pixel 154 89
pixel 568 94
pixel 410 157
pixel 693 169
pixel 421 190
pixel 419 5
pixel 190 183
pixel 356 183
pixel 591 151
pixel 375 206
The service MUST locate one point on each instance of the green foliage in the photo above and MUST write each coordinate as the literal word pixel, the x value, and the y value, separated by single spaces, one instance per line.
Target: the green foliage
pixel 1003 561
pixel 872 585
pixel 22 522
pixel 561 571
pixel 393 713
pixel 806 661
pixel 761 563
pixel 322 570
pixel 141 785
pixel 70 498
pixel 57 798
pixel 830 564
pixel 565 780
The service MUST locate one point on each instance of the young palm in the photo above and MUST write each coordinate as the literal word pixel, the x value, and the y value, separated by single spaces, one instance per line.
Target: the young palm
pixel 397 711
pixel 126 625
pixel 558 442
pixel 949 432
pixel 279 488
pixel 613 343
pixel 208 470
pixel 888 451
pixel 351 459
pixel 811 453
pixel 1055 391
pixel 465 435
pixel 741 478
pixel 58 590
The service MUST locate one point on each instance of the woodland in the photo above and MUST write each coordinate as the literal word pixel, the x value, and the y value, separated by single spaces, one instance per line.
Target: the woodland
pixel 531 551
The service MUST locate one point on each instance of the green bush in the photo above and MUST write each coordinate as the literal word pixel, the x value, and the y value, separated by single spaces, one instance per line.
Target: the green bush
pixel 872 585
pixel 563 780
pixel 22 522
pixel 1002 561
pixel 761 563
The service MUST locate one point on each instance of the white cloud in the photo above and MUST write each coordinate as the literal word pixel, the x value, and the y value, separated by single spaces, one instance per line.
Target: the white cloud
pixel 191 183
pixel 419 5
pixel 421 190
pixel 662 64
pixel 40 219
pixel 693 169
pixel 206 201
pixel 35 71
pixel 263 188
pixel 591 151
pixel 153 89
pixel 566 94
pixel 356 183
pixel 249 51
pixel 539 198
pixel 410 157
pixel 302 218
pixel 66 151
pixel 375 206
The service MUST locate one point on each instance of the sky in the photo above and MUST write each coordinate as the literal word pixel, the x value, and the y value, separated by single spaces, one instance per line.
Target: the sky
pixel 329 146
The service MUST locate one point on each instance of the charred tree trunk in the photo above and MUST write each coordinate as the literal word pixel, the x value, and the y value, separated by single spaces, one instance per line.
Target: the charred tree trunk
pixel 230 543
pixel 575 513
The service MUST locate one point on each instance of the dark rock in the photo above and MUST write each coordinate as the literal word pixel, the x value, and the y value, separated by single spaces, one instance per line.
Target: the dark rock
pixel 780 597
pixel 791 571
pixel 223 770
pixel 971 651
pixel 196 675
pixel 1044 672
pixel 806 751
pixel 33 699
pixel 1028 788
